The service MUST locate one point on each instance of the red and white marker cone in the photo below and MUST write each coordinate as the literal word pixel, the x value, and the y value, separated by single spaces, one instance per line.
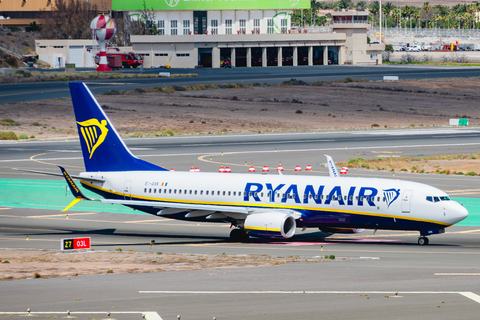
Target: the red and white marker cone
pixel 227 170
pixel 192 169
pixel 308 168
pixel 197 169
pixel 280 168
pixel 344 170
pixel 222 169
pixel 171 169
pixel 265 169
pixel 252 168
pixel 297 168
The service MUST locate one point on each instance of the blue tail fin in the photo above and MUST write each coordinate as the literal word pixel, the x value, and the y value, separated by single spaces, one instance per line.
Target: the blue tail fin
pixel 102 147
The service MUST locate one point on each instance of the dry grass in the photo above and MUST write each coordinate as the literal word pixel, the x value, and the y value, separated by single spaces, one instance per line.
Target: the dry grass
pixel 460 164
pixel 28 263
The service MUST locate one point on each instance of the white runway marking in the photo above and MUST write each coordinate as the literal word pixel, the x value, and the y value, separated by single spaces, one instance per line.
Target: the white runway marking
pixel 469 295
pixel 149 315
pixel 457 274
pixel 267 151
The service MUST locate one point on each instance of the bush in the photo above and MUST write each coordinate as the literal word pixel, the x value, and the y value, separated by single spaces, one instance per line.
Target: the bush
pixel 331 257
pixel 347 79
pixel 168 132
pixel 296 101
pixel 139 90
pixel 408 58
pixel 294 82
pixel 111 93
pixel 178 88
pixel 375 125
pixel 470 173
pixel 299 111
pixel 9 122
pixel 8 135
pixel 63 79
pixel 36 124
pixel 23 73
pixel 22 136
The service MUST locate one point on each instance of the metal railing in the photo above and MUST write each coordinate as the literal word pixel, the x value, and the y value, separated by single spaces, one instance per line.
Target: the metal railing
pixel 426 33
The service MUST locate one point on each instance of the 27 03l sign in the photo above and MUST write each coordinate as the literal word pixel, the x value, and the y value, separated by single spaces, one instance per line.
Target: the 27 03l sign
pixel 75 244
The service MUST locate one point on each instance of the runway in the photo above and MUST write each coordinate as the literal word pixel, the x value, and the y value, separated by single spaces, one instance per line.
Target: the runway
pixel 389 276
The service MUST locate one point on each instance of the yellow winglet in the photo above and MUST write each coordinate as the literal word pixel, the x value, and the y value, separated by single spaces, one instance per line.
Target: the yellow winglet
pixel 74 202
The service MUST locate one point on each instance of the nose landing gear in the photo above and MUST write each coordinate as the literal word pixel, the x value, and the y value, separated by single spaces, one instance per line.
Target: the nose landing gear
pixel 423 241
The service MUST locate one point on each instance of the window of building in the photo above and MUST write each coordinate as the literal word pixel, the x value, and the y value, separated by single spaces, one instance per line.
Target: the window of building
pixel 186 27
pixel 173 27
pixel 256 25
pixel 161 54
pixel 58 47
pixel 183 54
pixel 373 56
pixel 269 25
pixel 228 26
pixel 161 27
pixel 214 24
pixel 243 26
pixel 43 47
pixel 283 24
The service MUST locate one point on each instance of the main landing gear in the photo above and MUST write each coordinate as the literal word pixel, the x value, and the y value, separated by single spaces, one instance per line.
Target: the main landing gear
pixel 423 241
pixel 238 235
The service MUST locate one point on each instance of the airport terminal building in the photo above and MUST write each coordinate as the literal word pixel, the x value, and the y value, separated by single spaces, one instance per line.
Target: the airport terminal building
pixel 247 33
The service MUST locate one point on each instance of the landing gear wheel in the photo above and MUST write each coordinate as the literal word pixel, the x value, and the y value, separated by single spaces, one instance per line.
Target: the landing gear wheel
pixel 423 241
pixel 238 235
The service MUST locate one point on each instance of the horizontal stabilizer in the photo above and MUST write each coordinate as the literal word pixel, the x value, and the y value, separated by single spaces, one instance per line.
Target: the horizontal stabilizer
pixel 61 175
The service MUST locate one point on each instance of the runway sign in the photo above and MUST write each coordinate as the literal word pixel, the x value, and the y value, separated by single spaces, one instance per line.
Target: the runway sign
pixel 75 244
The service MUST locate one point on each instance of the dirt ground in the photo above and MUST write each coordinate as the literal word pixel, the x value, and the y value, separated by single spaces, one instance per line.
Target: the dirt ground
pixel 17 264
pixel 341 106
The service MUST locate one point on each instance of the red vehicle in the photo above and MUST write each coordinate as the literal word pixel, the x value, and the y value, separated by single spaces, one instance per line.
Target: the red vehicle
pixel 129 59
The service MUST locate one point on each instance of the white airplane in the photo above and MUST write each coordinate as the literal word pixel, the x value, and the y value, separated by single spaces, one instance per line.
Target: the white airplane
pixel 271 206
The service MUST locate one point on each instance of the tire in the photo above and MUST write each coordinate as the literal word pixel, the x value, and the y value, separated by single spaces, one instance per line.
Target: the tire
pixel 238 235
pixel 423 241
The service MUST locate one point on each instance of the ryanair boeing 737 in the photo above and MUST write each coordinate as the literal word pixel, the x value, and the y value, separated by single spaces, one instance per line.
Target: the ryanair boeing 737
pixel 271 206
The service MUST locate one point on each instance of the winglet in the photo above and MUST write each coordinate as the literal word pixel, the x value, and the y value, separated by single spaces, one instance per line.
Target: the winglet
pixel 77 193
pixel 332 168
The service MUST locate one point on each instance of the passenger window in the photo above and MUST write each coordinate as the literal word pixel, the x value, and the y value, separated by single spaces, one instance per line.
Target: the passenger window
pixel 316 196
pixel 310 196
pixel 384 199
pixel 169 190
pixel 206 192
pixel 367 198
pixel 180 191
pixel 244 193
pixel 229 192
pixel 344 197
pixel 321 197
pixel 195 192
pixel 190 191
pixel 261 194
pixel 201 192
pixel 145 190
pixel 154 190
pixel 159 190
pixel 175 191
pixel 256 194
pixel 436 199
pixel 361 198
pixel 150 190
pixel 326 197
pixel 350 198
pixel 224 192
pixel 304 196
pixel 378 199
pixel 293 195
pixel 283 195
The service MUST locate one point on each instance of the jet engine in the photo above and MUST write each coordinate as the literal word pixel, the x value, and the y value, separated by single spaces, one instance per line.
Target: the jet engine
pixel 341 230
pixel 270 225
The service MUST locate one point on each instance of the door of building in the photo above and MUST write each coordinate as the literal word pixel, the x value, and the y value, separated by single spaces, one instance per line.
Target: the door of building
pixel 199 22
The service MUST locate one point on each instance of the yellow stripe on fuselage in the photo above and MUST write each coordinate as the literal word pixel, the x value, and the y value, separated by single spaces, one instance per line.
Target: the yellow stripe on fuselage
pixel 262 205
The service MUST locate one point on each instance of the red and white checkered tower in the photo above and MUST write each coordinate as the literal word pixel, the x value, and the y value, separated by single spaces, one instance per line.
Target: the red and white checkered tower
pixel 103 28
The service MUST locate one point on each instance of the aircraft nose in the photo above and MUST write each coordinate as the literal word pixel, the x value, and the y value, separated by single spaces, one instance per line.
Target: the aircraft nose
pixel 459 213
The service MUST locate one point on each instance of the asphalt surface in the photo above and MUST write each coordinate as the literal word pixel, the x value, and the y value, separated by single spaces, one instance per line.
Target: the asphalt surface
pixel 28 91
pixel 439 280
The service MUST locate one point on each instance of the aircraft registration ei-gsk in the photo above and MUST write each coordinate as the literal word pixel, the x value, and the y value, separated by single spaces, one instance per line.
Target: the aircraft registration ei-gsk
pixel 270 206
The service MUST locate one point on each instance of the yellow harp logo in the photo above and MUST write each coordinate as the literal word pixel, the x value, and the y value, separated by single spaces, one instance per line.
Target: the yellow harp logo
pixel 93 133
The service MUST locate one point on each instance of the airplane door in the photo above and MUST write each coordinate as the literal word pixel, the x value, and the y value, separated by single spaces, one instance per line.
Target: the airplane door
pixel 406 199
pixel 127 190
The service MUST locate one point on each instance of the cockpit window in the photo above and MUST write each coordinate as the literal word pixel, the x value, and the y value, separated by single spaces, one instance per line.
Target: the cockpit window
pixel 445 198
pixel 436 199
pixel 430 198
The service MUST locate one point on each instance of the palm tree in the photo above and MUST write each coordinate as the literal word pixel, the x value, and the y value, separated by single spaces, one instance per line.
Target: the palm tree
pixel 443 11
pixel 387 9
pixel 416 14
pixel 361 5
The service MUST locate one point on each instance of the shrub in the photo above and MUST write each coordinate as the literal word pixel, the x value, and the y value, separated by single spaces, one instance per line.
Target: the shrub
pixel 331 257
pixel 168 132
pixel 191 121
pixel 159 253
pixel 37 275
pixel 8 135
pixel 347 79
pixel 256 84
pixel 234 98
pixel 178 88
pixel 110 271
pixel 36 124
pixel 139 90
pixel 299 111
pixel 375 125
pixel 138 134
pixel 105 107
pixel 63 79
pixel 22 136
pixel 296 101
pixel 23 73
pixel 470 173
pixel 111 93
pixel 9 122
pixel 294 82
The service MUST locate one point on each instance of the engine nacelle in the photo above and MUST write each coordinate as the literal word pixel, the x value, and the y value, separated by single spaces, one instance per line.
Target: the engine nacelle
pixel 270 225
pixel 341 230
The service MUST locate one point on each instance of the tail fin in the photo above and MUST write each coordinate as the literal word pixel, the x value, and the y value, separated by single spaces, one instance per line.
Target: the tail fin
pixel 102 147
